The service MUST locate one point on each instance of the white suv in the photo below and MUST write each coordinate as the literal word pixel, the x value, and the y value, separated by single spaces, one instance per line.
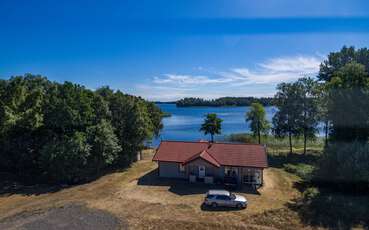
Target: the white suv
pixel 224 198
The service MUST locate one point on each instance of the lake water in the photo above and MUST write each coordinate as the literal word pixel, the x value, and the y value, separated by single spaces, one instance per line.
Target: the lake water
pixel 185 122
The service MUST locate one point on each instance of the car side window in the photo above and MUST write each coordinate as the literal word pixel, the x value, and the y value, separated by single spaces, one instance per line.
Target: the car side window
pixel 210 196
pixel 223 197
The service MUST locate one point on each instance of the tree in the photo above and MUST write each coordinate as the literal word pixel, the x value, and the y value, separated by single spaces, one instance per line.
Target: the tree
pixel 156 116
pixel 212 125
pixel 67 133
pixel 132 122
pixel 307 94
pixel 224 101
pixel 322 100
pixel 340 93
pixel 348 107
pixel 286 121
pixel 345 80
pixel 65 158
pixel 345 164
pixel 257 119
pixel 336 60
pixel 104 145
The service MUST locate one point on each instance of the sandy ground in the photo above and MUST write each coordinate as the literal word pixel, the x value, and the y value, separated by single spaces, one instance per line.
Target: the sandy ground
pixel 71 216
pixel 138 199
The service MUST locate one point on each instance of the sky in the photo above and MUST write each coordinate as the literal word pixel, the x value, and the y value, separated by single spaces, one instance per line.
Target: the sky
pixel 164 50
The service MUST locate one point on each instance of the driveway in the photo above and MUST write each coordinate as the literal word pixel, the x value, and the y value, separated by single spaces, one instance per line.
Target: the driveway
pixel 71 217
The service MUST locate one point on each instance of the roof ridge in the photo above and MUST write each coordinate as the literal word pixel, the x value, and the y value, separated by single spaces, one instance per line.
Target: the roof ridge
pixel 206 150
pixel 193 157
pixel 197 142
pixel 200 154
pixel 230 143
pixel 221 143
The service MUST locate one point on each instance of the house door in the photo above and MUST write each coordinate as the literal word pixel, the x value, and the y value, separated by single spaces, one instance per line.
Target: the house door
pixel 201 171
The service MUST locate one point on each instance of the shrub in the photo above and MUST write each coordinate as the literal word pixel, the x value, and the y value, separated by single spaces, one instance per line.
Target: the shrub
pixel 65 159
pixel 310 193
pixel 241 137
pixel 345 164
pixel 274 142
pixel 302 170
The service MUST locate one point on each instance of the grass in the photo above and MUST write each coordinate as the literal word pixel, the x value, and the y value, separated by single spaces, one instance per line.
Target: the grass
pixel 302 170
pixel 275 144
pixel 328 209
pixel 138 198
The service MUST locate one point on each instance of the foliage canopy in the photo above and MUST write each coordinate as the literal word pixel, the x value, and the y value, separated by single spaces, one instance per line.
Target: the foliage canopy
pixel 67 133
pixel 212 125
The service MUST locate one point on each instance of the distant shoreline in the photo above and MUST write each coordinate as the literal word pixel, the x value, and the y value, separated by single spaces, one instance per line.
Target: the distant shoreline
pixel 204 106
pixel 221 102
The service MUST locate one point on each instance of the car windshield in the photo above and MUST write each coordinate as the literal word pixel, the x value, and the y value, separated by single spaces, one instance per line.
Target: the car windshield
pixel 233 196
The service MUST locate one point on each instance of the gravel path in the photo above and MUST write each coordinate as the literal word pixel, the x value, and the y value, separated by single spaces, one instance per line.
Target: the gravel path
pixel 68 217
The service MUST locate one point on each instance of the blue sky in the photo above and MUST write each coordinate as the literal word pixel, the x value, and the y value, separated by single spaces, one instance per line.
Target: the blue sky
pixel 165 50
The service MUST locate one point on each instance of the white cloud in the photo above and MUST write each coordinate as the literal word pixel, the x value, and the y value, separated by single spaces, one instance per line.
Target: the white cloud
pixel 186 79
pixel 232 82
pixel 299 64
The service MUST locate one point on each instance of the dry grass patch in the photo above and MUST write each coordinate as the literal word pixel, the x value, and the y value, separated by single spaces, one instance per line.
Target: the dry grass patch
pixel 138 197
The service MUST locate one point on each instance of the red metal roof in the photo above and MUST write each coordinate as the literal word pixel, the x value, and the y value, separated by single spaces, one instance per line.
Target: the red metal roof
pixel 226 154
pixel 205 156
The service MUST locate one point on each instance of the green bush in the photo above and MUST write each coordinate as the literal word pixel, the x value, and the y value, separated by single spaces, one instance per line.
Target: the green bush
pixel 275 143
pixel 241 137
pixel 65 159
pixel 344 163
pixel 302 170
pixel 310 193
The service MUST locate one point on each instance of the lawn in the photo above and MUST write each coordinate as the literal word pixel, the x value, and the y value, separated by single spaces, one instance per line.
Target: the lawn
pixel 137 199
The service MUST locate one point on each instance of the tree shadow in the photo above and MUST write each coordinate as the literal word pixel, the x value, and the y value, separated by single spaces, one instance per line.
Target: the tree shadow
pixel 331 209
pixel 183 187
pixel 208 208
pixel 10 184
pixel 277 160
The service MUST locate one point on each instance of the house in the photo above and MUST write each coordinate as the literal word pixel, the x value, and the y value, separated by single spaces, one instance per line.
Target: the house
pixel 209 162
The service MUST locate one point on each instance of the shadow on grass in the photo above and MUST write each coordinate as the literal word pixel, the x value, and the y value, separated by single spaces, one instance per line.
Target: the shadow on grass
pixel 277 160
pixel 326 210
pixel 10 184
pixel 331 208
pixel 218 209
pixel 14 188
pixel 334 211
pixel 182 187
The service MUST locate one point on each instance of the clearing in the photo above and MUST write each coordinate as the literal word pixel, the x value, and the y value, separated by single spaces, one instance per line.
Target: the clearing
pixel 135 198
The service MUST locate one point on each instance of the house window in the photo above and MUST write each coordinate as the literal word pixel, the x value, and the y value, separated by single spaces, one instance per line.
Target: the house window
pixel 227 171
pixel 249 177
pixel 182 168
pixel 230 171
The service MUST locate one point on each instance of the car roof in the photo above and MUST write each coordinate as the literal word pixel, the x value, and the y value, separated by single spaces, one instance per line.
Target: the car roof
pixel 219 192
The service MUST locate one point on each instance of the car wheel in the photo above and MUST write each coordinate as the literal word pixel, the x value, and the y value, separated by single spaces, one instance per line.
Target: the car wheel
pixel 214 205
pixel 239 206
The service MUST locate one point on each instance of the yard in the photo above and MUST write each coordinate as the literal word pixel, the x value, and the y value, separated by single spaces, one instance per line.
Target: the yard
pixel 136 199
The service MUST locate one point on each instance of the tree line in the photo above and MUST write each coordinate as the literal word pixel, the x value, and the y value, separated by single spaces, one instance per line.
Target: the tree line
pixel 224 101
pixel 52 132
pixel 339 99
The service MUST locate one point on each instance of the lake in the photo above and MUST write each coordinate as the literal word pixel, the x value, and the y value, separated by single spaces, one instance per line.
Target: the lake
pixel 185 122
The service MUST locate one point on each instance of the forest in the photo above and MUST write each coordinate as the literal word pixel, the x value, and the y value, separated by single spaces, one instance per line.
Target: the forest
pixel 338 100
pixel 224 101
pixel 66 133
